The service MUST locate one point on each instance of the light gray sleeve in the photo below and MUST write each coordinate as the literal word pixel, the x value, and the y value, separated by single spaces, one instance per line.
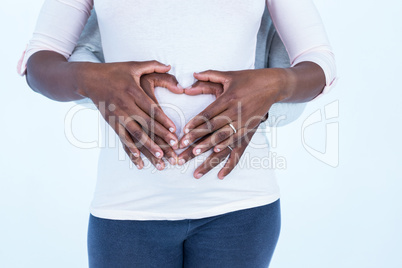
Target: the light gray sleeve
pixel 89 47
pixel 271 53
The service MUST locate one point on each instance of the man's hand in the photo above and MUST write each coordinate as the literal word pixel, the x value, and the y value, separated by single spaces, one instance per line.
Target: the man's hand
pixel 215 158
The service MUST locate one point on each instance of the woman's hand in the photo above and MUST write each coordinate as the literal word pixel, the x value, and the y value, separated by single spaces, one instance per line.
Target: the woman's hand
pixel 213 160
pixel 244 102
pixel 129 109
pixel 148 83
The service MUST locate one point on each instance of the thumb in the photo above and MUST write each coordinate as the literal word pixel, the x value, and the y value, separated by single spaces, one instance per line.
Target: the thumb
pixel 148 67
pixel 201 87
pixel 212 76
pixel 170 82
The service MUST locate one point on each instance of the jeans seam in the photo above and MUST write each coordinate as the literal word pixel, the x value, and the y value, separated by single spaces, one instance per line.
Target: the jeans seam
pixel 188 229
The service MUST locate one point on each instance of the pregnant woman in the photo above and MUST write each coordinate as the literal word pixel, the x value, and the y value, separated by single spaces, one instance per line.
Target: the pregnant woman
pixel 146 218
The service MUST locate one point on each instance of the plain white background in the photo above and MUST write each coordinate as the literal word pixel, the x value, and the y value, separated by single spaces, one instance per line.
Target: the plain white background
pixel 349 216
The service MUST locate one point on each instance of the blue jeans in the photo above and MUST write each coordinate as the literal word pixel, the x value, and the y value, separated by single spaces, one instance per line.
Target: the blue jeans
pixel 242 238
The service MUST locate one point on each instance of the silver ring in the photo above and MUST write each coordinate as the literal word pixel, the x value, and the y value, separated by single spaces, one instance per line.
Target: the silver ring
pixel 230 148
pixel 235 131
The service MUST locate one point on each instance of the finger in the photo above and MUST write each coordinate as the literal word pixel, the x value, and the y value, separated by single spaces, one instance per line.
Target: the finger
pixel 126 139
pixel 213 76
pixel 148 85
pixel 232 161
pixel 168 152
pixel 153 128
pixel 168 81
pixel 150 81
pixel 212 161
pixel 209 126
pixel 135 159
pixel 147 67
pixel 216 138
pixel 236 139
pixel 232 140
pixel 214 109
pixel 141 138
pixel 187 154
pixel 216 158
pixel 201 87
pixel 158 163
pixel 236 154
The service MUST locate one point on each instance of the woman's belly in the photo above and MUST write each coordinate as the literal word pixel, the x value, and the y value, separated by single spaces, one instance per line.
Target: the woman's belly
pixel 124 192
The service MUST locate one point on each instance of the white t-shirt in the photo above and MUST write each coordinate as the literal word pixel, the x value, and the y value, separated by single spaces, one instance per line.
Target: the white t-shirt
pixel 191 36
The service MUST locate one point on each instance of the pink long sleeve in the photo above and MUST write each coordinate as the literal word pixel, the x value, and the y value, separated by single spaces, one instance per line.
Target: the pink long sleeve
pixel 302 31
pixel 297 22
pixel 58 28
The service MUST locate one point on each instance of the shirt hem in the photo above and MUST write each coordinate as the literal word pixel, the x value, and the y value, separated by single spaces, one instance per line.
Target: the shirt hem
pixel 143 215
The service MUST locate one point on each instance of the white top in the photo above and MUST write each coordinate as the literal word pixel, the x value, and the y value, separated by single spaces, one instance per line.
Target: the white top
pixel 191 36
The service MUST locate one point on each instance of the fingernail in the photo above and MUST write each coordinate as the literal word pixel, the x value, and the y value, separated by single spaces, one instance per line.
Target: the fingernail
pixel 217 150
pixel 172 142
pixel 199 175
pixel 171 130
pixel 182 162
pixel 135 155
pixel 186 130
pixel 179 86
pixel 186 142
pixel 188 87
pixel 172 161
pixel 138 166
pixel 198 151
pixel 158 154
pixel 159 166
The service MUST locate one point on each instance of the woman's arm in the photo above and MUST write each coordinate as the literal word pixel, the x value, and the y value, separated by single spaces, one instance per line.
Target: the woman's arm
pixel 301 29
pixel 114 88
pixel 271 53
pixel 49 74
pixel 58 28
pixel 89 48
